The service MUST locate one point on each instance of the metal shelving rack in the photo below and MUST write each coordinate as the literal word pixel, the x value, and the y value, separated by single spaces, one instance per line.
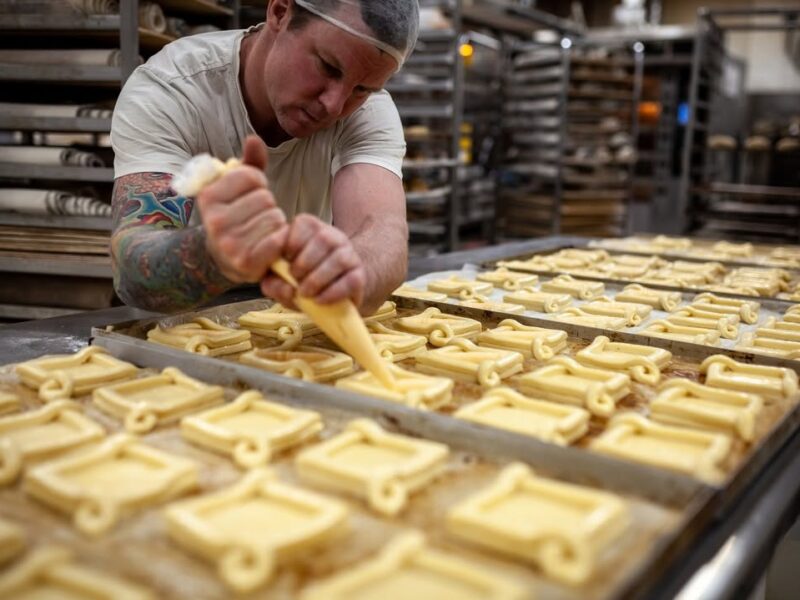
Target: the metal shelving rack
pixel 564 106
pixel 725 209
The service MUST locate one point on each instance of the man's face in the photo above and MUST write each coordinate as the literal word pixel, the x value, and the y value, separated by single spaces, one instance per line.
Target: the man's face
pixel 318 74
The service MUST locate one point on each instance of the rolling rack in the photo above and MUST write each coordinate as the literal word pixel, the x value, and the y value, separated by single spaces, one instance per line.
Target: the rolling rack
pixel 572 116
pixel 731 208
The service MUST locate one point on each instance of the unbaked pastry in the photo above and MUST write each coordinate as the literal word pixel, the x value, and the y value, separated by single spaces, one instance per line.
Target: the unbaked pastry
pixel 506 409
pixel 465 361
pixel 726 325
pixel 532 342
pixel 576 316
pixel 150 401
pixel 535 263
pixel 251 429
pixel 12 541
pixel 395 345
pixel 565 284
pixel 440 328
pixel 44 433
pixel 690 404
pixel 750 342
pixel 682 333
pixel 277 322
pixel 539 301
pixel 732 289
pixel 633 313
pixel 565 380
pixel 412 389
pixel 779 330
pixel 368 462
pixel 736 250
pixel 9 403
pixel 746 309
pixel 771 382
pixel 408 568
pixel 104 482
pixel 458 287
pixel 63 376
pixel 483 303
pixel 247 529
pixel 51 573
pixel 407 291
pixel 633 437
pixel 642 363
pixel 504 279
pixel 302 362
pixel 202 336
pixel 659 299
pixel 561 527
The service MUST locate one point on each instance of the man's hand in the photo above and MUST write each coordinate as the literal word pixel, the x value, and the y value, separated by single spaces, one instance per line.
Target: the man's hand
pixel 245 229
pixel 324 262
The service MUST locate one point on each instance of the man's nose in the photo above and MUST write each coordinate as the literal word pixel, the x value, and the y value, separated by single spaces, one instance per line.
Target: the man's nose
pixel 333 98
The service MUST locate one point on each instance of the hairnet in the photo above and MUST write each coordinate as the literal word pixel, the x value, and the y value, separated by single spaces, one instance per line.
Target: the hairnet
pixel 390 25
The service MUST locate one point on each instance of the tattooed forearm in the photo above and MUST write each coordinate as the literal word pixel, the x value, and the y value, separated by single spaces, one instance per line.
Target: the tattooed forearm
pixel 159 262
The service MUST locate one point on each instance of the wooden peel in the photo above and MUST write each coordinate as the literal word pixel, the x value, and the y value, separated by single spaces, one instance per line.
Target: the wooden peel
pixel 340 321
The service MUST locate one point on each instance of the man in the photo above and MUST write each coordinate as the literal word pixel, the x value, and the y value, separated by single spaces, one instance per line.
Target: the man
pixel 308 82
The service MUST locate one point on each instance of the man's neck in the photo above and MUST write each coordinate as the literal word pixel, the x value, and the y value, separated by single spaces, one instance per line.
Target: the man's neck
pixel 261 115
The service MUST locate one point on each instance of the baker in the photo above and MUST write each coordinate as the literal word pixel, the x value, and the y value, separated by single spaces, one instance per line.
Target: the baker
pixel 300 99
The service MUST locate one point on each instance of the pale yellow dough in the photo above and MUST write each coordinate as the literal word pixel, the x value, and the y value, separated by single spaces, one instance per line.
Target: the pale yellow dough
pixel 697 453
pixel 202 336
pixel 9 403
pixel 746 309
pixel 50 573
pixel 277 322
pixel 673 331
pixel 779 330
pixel 642 363
pixel 750 342
pixel 102 483
pixel 368 462
pixel 407 291
pixel 66 375
pixel 565 380
pixel 251 429
pixel 770 382
pixel 12 540
pixel 726 325
pixel 308 363
pixel 465 361
pixel 560 527
pixel 530 341
pixel 41 434
pixel 408 568
pixel 686 403
pixel 551 422
pixel 395 345
pixel 483 303
pixel 412 389
pixel 577 316
pixel 440 328
pixel 458 287
pixel 508 280
pixel 247 529
pixel 659 299
pixel 539 301
pixel 565 284
pixel 150 401
pixel 633 313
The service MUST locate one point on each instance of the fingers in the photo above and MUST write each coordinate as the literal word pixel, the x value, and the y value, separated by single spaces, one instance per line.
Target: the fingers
pixel 255 152
pixel 232 186
pixel 277 289
pixel 350 285
pixel 335 264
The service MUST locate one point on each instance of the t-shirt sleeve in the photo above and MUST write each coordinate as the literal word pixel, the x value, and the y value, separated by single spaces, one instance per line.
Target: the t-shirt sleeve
pixel 373 134
pixel 151 126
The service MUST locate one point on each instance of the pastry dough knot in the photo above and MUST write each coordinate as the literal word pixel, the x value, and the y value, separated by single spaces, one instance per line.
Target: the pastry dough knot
pixel 197 344
pixel 95 515
pixel 441 334
pixel 467 293
pixel 59 385
pixel 290 335
pixel 567 558
pixel 644 370
pixel 10 461
pixel 386 494
pixel 245 568
pixel 512 285
pixel 598 401
pixel 299 369
pixel 488 375
pixel 140 419
pixel 252 452
pixel 540 349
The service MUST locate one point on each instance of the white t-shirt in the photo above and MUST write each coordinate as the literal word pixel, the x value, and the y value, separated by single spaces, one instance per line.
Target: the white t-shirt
pixel 186 100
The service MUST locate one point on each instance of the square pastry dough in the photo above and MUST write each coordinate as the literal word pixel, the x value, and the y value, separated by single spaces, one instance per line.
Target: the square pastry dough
pixel 51 573
pixel 458 287
pixel 690 404
pixel 504 279
pixel 483 303
pixel 303 362
pixel 12 540
pixel 202 336
pixel 440 328
pixel 565 380
pixel 642 363
pixel 251 429
pixel 506 409
pixel 747 310
pixel 583 290
pixel 9 403
pixel 412 389
pixel 697 453
pixel 726 325
pixel 66 375
pixel 101 484
pixel 666 329
pixel 251 526
pixel 408 291
pixel 366 461
pixel 530 341
pixel 751 342
pixel 41 434
pixel 632 312
pixel 150 401
pixel 560 527
pixel 395 345
pixel 770 382
pixel 577 316
pixel 539 301
pixel 282 324
pixel 658 299
pixel 465 361
pixel 408 568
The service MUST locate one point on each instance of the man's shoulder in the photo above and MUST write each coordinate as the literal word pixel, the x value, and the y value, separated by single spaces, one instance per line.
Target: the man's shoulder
pixel 194 55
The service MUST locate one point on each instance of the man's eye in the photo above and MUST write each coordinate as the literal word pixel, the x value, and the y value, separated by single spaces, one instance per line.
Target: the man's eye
pixel 330 70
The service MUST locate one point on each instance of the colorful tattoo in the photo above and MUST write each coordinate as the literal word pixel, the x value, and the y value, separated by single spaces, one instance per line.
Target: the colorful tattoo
pixel 159 262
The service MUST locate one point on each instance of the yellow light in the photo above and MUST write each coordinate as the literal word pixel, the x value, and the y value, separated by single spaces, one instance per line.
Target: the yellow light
pixel 466 50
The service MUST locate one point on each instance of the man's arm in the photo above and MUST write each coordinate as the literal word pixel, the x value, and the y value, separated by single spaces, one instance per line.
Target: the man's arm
pixel 159 262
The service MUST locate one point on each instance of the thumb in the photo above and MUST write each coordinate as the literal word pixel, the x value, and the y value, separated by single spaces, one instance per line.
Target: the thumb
pixel 255 152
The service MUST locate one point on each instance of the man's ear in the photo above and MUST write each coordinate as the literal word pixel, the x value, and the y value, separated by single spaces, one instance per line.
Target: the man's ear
pixel 278 13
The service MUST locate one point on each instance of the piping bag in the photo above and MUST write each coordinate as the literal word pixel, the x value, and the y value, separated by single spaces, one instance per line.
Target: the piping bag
pixel 340 321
